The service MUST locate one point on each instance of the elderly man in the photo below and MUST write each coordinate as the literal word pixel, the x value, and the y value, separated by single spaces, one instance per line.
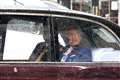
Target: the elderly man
pixel 75 53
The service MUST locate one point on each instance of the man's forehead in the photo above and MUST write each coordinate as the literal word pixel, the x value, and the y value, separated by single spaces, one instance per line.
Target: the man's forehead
pixel 72 31
pixel 72 27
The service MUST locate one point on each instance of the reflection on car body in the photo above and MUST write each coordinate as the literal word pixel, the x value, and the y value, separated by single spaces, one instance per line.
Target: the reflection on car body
pixel 33 37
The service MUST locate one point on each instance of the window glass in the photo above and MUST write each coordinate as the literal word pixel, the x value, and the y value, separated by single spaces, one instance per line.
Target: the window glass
pixel 85 41
pixel 105 35
pixel 26 38
pixel 101 37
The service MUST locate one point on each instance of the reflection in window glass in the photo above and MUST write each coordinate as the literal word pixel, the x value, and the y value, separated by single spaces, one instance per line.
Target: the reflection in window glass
pixel 103 38
pixel 23 37
pixel 105 35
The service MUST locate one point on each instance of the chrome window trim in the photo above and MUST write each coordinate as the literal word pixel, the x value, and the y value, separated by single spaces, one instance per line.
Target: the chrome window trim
pixel 89 20
pixel 28 14
pixel 60 64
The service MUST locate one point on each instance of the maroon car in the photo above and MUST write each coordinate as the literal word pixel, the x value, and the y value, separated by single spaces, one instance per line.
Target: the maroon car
pixel 32 35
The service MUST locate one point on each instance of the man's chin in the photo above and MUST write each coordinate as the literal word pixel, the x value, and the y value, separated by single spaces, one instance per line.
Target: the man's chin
pixel 74 44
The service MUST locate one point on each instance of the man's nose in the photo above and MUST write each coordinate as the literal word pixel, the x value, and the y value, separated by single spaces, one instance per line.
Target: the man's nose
pixel 71 37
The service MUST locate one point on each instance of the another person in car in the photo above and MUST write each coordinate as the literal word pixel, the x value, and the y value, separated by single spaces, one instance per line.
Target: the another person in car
pixel 75 53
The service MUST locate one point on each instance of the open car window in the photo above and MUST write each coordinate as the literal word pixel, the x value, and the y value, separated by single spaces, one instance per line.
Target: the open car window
pixel 102 42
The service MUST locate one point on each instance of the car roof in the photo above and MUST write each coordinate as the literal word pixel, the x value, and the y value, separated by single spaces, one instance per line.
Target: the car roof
pixel 31 5
pixel 39 5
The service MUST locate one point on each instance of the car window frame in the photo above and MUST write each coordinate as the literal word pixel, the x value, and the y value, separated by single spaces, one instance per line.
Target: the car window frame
pixel 34 13
pixel 78 17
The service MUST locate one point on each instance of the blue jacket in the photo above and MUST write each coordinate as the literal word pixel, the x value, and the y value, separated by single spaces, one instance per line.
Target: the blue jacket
pixel 79 54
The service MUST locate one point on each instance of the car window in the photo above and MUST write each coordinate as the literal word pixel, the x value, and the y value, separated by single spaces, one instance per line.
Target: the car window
pixel 101 37
pixel 105 35
pixel 101 40
pixel 25 38
pixel 24 26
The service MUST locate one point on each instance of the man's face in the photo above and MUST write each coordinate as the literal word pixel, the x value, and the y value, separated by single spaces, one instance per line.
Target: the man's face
pixel 73 37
